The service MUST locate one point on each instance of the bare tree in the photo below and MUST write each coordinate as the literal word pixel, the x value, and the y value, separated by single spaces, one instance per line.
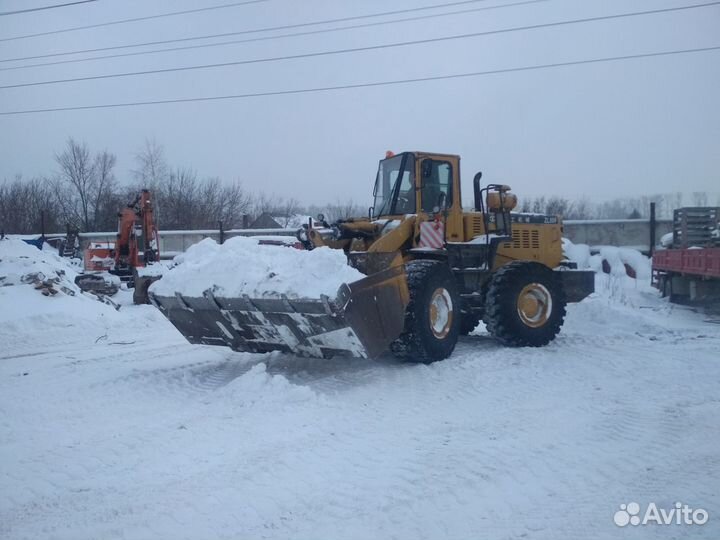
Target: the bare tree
pixel 670 202
pixel 104 190
pixel 338 210
pixel 580 209
pixel 526 205
pixel 700 198
pixel 178 198
pixel 77 169
pixel 557 205
pixel 539 205
pixel 152 168
pixel 261 203
pixel 285 211
pixel 235 202
pixel 24 203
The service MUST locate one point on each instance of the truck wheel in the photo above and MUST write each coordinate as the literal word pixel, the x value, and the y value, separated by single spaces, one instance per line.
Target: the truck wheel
pixel 432 317
pixel 525 305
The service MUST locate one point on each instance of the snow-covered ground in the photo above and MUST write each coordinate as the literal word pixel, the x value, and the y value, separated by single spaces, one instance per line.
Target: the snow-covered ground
pixel 113 426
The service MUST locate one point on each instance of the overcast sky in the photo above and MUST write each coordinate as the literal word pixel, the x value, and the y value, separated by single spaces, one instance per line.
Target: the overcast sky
pixel 635 127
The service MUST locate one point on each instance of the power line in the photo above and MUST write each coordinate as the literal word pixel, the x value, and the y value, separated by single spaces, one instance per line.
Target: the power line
pixel 17 12
pixel 250 31
pixel 266 38
pixel 135 19
pixel 357 49
pixel 367 85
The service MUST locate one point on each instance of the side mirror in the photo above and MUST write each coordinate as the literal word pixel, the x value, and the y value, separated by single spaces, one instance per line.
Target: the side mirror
pixel 321 218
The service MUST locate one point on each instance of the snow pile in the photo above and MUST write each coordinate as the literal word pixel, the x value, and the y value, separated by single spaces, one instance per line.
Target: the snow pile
pixel 622 274
pixel 256 387
pixel 23 264
pixel 38 295
pixel 666 240
pixel 580 255
pixel 618 261
pixel 205 249
pixel 152 270
pixel 243 266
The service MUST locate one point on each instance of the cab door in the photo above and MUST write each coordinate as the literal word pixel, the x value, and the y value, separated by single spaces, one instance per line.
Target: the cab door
pixel 439 202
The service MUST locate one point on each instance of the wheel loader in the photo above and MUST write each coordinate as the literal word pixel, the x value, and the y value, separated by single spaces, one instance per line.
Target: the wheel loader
pixel 434 270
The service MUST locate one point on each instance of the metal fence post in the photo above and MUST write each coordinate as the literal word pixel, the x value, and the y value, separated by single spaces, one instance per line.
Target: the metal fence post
pixel 652 228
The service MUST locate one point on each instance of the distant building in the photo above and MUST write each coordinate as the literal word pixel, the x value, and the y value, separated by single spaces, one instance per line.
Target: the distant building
pixel 265 221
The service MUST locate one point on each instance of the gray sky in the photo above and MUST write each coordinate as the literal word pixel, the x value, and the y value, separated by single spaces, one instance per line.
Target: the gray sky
pixel 602 130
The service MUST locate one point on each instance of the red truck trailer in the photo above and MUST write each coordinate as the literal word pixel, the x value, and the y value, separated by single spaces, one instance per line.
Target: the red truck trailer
pixel 689 271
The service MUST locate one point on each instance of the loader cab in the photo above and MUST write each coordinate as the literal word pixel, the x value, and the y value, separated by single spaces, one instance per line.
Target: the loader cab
pixel 423 184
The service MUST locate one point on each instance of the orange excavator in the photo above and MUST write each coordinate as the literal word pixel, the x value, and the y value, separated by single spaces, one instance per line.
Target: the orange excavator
pixel 137 239
pixel 137 246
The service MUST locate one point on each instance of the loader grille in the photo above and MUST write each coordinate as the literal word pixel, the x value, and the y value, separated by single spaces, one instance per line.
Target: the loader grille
pixel 525 239
pixel 477 227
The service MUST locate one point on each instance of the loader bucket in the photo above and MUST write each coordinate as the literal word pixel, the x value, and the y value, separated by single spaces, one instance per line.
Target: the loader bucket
pixel 362 321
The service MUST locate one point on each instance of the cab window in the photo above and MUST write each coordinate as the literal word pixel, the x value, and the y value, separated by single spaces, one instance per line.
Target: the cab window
pixel 437 186
pixel 406 195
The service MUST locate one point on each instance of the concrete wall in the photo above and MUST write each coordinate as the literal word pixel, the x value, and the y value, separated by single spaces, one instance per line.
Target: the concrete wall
pixel 175 242
pixel 633 233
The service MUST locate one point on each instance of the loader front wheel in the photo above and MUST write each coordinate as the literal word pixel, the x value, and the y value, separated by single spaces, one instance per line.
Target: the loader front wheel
pixel 525 305
pixel 432 317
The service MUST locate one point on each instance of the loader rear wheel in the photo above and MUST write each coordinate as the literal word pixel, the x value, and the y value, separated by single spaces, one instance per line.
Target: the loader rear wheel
pixel 525 305
pixel 432 317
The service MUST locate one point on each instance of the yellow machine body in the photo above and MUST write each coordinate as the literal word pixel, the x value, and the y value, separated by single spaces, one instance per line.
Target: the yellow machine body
pixel 430 265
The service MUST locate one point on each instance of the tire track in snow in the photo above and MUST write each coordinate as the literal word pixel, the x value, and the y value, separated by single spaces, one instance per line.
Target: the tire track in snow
pixel 492 443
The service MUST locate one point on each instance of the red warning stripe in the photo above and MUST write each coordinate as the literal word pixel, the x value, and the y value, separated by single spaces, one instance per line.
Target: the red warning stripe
pixel 432 234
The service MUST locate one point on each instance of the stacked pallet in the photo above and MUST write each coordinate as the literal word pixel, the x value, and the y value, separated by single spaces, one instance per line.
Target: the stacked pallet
pixel 696 227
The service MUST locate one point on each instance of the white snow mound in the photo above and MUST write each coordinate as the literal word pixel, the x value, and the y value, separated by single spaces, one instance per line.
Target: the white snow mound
pixel 666 240
pixel 25 272
pixel 616 257
pixel 243 266
pixel 152 270
pixel 21 263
